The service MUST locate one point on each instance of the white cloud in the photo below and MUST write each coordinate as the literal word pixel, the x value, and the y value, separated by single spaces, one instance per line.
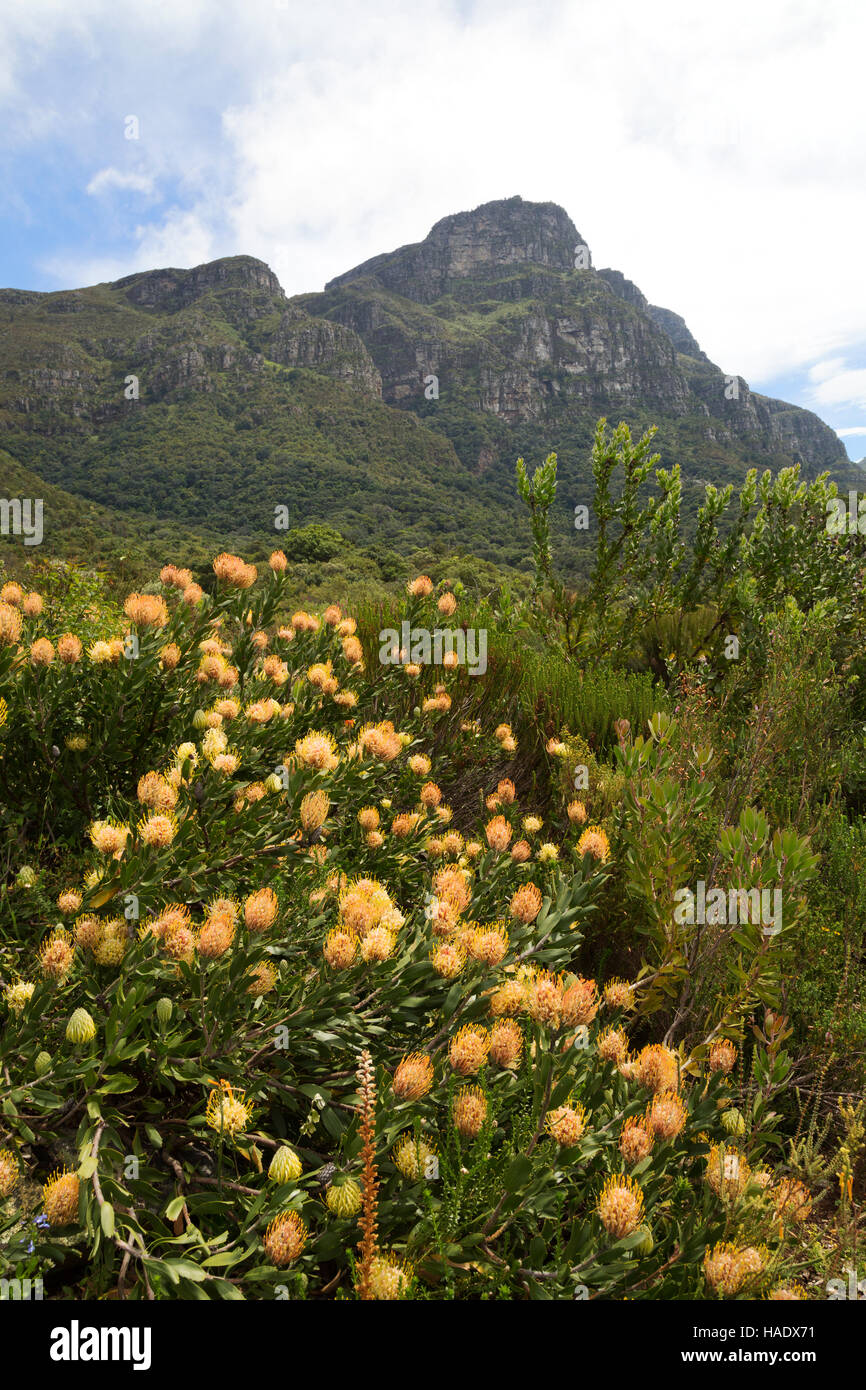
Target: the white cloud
pixel 845 387
pixel 716 155
pixel 854 429
pixel 111 178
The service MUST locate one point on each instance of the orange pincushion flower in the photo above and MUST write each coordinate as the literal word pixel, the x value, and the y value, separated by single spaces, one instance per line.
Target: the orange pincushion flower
pixel 453 885
pixel 262 980
pixel 11 593
pixel 447 604
pixel 727 1172
pixel 566 1124
pixel 69 648
pixel 544 999
pixel 87 932
pixel 382 740
pixel 508 999
pixel 420 587
pixel 521 850
pixel 723 1055
pixel 69 900
pixel 10 625
pixel 368 818
pixel 791 1200
pixel 179 943
pixel 146 610
pixel 314 811
pixel 216 936
pixel 108 836
pixel 419 764
pixel 620 1206
pixel 60 1198
pixel 489 945
pixel 468 1049
pixel 658 1068
pixel 430 794
pixel 526 903
pixel 579 1002
pixel 285 1239
pixel 619 994
pixel 469 1111
pixel 413 1077
pixel 9 1172
pixel 612 1045
pixel 318 751
pixel 404 824
pixel 636 1139
pixel 332 615
pixel 232 570
pixel 57 954
pixel 340 948
pixel 158 830
pixel 378 944
pixel 260 909
pixel 448 959
pixel 721 1269
pixel 506 1044
pixel 666 1115
pixel 390 1277
pixel 352 650
pixel 277 561
pixel 576 812
pixel 155 791
pixel 169 656
pixel 41 652
pixel 594 842
pixel 305 622
pixel 498 833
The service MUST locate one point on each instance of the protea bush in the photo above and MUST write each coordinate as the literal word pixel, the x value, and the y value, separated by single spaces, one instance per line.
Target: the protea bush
pixel 286 1014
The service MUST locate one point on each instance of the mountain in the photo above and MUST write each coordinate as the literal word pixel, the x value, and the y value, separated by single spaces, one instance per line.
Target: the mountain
pixel 391 406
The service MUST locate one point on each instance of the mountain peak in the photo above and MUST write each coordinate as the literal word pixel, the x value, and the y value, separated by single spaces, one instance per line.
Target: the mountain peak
pixel 496 235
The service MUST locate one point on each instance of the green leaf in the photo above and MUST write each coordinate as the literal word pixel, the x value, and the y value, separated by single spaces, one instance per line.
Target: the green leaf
pixel 175 1207
pixel 517 1174
pixel 106 1217
pixel 118 1084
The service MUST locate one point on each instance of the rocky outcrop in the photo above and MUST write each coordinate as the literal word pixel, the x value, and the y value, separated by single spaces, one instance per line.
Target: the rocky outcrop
pixel 302 341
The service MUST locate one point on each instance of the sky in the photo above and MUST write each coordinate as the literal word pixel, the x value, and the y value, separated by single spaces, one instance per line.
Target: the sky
pixel 716 155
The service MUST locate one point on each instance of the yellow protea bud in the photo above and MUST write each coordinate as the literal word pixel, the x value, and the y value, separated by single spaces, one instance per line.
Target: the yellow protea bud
pixel 285 1166
pixel 285 1239
pixel 344 1198
pixel 9 1174
pixel 60 1198
pixel 42 1063
pixel 80 1028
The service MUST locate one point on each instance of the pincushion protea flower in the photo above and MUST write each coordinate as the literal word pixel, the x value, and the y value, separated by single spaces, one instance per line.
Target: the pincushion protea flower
pixel 18 995
pixel 453 885
pixel 11 593
pixel 787 1293
pixel 317 751
pixel 233 571
pixel 413 1157
pixel 41 652
pixel 721 1270
pixel 260 909
pixel 506 1044
pixel 448 959
pixel 156 791
pixel 489 945
pixel 108 836
pixel 420 587
pixel 10 625
pixel 657 1068
pixel 791 1200
pixel 60 1198
pixel 285 1239
pixel 498 834
pixel 468 1049
pixel 263 978
pixel 158 830
pixel 723 1055
pixel 594 842
pixel 727 1172
pixel 69 900
pixel 413 1077
pixel 579 1002
pixel 508 999
pixel 344 1198
pixel 285 1166
pixel 636 1139
pixel 612 1045
pixel 666 1115
pixel 368 818
pixel 378 944
pixel 340 948
pixel 620 1205
pixel 9 1174
pixel 314 811
pixel 544 999
pixel 469 1111
pixel 619 994
pixel 57 954
pixel 525 904
pixel 566 1124
pixel 69 648
pixel 419 764
pixel 146 610
pixel 576 812
pixel 226 1112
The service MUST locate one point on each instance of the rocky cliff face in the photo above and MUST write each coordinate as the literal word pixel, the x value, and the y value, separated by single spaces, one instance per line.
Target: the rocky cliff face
pixel 501 307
